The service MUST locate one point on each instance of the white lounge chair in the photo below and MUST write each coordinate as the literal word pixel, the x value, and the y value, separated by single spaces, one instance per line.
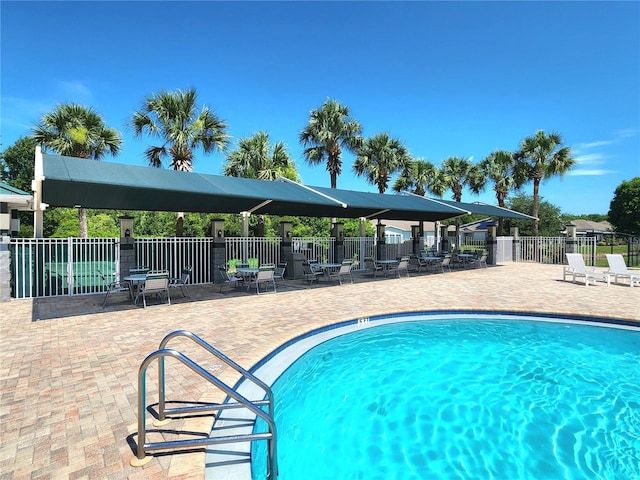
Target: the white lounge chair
pixel 618 268
pixel 577 268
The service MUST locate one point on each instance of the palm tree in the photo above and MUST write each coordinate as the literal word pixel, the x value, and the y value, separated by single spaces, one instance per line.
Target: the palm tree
pixel 256 158
pixel 458 173
pixel 330 129
pixel 498 167
pixel 77 131
pixel 541 156
pixel 173 117
pixel 421 176
pixel 379 158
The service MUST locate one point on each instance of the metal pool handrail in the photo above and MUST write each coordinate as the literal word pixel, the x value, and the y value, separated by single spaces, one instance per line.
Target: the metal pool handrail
pixel 253 406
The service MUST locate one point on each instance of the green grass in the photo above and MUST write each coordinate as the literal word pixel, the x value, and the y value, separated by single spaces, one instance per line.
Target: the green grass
pixel 601 251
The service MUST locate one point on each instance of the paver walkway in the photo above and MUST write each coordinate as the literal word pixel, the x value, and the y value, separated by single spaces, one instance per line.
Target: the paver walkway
pixel 69 368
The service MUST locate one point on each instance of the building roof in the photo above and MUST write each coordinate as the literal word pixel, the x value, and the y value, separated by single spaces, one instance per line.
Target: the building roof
pixel 590 226
pixel 14 197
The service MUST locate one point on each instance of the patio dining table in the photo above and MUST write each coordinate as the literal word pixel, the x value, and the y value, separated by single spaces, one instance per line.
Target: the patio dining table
pixel 247 273
pixel 387 265
pixel 328 268
pixel 136 280
pixel 466 258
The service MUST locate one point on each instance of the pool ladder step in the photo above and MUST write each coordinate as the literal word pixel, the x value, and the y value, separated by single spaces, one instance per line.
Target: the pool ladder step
pixel 254 406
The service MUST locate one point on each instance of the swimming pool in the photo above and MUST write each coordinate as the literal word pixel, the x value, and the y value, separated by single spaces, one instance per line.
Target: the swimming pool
pixel 460 397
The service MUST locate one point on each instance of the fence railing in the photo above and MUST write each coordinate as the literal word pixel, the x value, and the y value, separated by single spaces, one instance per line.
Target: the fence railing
pixel 552 250
pixel 319 248
pixel 174 254
pixel 358 248
pixel 252 250
pixel 45 267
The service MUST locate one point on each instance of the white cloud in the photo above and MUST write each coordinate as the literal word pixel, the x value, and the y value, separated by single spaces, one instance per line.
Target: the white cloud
pixel 599 143
pixel 75 89
pixel 626 133
pixel 619 135
pixel 582 172
pixel 590 159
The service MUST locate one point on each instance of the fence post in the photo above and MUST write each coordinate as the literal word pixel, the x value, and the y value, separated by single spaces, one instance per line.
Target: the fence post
pixel 5 269
pixel 571 242
pixel 127 242
pixel 515 245
pixel 286 253
pixel 417 236
pixel 444 238
pixel 492 244
pixel 381 242
pixel 337 232
pixel 218 250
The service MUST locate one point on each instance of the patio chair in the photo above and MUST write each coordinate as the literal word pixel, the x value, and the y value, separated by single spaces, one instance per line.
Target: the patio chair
pixel 138 269
pixel 114 286
pixel 371 266
pixel 182 281
pixel 618 268
pixel 445 263
pixel 344 270
pixel 156 283
pixel 265 275
pixel 414 263
pixel 403 266
pixel 280 271
pixel 456 261
pixel 316 268
pixel 577 268
pixel 480 262
pixel 309 274
pixel 228 279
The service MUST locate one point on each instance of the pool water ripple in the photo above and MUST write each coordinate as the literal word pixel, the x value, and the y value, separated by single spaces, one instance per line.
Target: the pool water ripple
pixel 462 399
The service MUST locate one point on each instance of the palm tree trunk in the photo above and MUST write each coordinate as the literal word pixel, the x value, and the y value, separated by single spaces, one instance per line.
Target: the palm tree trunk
pixel 180 225
pixel 82 219
pixel 534 206
pixel 500 219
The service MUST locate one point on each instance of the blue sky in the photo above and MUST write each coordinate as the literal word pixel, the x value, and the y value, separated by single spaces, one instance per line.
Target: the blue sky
pixel 447 78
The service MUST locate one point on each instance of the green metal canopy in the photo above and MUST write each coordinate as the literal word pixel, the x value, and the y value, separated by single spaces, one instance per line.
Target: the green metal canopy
pixel 489 210
pixel 72 182
pixel 392 207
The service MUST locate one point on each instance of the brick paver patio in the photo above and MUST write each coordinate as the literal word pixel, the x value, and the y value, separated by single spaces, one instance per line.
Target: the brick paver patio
pixel 69 368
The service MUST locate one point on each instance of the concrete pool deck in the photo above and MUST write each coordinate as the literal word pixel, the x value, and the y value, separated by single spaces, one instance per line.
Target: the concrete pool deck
pixel 69 369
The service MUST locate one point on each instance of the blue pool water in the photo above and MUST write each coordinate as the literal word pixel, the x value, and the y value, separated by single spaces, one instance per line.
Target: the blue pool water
pixel 464 398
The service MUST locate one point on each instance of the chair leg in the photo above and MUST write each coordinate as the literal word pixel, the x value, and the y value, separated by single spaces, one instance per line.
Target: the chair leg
pixel 104 302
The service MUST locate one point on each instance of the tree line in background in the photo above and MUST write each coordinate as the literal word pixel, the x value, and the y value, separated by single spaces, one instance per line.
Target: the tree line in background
pixel 181 127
